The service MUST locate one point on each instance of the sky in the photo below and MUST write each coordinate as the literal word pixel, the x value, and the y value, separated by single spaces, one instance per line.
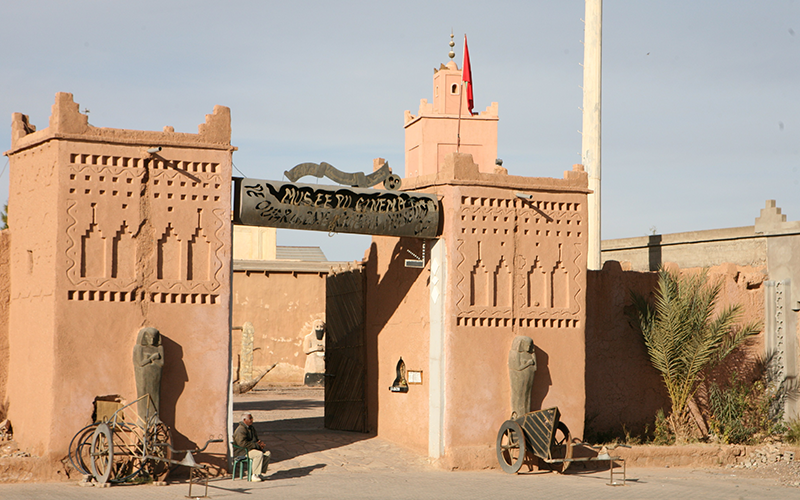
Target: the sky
pixel 700 98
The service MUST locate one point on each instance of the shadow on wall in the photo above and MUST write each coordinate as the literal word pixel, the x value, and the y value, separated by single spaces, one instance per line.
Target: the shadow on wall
pixel 623 390
pixel 542 380
pixel 390 290
pixel 173 381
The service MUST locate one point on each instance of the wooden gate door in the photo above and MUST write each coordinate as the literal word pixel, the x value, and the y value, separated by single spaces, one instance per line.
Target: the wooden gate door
pixel 345 353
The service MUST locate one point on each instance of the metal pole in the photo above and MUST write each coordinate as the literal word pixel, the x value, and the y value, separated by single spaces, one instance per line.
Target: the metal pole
pixel 590 144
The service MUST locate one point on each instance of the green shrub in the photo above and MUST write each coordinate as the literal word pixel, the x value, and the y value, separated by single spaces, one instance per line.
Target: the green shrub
pixel 686 337
pixel 742 413
pixel 661 432
pixel 792 431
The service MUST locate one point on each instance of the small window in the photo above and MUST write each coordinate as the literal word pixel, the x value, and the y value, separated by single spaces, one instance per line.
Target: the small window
pixel 454 89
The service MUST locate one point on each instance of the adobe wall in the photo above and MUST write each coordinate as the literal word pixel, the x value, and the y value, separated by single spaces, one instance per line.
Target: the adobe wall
pixel 397 325
pixel 623 390
pixel 772 246
pixel 5 290
pixel 281 318
pixel 110 239
pixel 513 266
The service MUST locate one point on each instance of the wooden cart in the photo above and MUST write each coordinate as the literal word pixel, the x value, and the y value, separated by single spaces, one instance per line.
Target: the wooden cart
pixel 543 434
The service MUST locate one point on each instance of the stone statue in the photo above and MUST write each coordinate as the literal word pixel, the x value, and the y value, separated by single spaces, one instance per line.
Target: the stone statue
pixel 148 362
pixel 314 347
pixel 521 369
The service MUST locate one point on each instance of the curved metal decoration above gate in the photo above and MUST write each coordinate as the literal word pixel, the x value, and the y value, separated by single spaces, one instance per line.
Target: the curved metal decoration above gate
pixel 335 209
pixel 355 179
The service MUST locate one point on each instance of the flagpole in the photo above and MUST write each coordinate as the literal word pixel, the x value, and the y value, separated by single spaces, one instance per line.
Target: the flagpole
pixel 460 103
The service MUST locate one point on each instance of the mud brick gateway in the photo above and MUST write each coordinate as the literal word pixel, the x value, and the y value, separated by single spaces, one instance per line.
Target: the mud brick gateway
pixel 113 230
pixel 111 238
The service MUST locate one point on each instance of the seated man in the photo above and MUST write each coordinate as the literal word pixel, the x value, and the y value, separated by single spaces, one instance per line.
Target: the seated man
pixel 245 436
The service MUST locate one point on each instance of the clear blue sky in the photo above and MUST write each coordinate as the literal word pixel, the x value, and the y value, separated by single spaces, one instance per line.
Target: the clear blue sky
pixel 701 99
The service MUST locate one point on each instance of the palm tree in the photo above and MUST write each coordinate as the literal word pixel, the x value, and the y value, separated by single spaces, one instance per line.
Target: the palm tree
pixel 684 338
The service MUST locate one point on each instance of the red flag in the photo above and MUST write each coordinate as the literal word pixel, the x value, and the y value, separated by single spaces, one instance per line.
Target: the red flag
pixel 466 76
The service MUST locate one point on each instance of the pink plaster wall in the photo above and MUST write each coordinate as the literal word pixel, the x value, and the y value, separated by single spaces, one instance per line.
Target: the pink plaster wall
pixel 281 319
pixel 109 239
pixel 495 242
pixel 433 132
pixel 5 290
pixel 397 325
pixel 623 390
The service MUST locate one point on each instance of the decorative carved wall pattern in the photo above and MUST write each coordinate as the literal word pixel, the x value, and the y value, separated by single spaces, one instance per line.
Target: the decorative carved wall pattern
pixel 518 262
pixel 102 204
pixel 109 201
pixel 188 245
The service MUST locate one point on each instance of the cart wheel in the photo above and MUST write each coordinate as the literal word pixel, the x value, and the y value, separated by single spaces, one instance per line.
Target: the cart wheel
pixel 128 443
pixel 102 453
pixel 510 447
pixel 561 447
pixel 158 440
pixel 79 449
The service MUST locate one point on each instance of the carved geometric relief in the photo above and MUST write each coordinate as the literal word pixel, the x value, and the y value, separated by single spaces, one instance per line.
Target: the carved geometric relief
pixel 560 287
pixel 535 286
pixel 518 261
pixel 198 257
pixel 168 252
pixel 99 254
pixel 502 284
pixel 123 255
pixel 93 253
pixel 478 285
pixel 113 201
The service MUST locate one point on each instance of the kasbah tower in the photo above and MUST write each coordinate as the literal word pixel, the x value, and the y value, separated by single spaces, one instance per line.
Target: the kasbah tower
pixel 510 261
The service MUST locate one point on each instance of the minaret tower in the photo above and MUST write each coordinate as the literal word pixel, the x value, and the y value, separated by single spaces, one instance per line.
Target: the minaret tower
pixel 433 133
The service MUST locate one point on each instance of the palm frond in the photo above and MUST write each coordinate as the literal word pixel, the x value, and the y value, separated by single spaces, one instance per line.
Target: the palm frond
pixel 683 335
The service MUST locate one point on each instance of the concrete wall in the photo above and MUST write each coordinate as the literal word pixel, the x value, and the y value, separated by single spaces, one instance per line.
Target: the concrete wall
pixel 109 239
pixel 738 245
pixel 254 243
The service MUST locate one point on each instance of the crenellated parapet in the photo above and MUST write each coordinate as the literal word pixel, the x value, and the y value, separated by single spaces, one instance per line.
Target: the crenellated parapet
pixel 67 122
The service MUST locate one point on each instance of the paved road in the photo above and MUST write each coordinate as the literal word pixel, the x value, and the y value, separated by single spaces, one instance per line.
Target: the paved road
pixel 324 482
pixel 312 463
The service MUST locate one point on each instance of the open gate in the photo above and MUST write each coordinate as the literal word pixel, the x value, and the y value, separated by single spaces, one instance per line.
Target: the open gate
pixel 345 353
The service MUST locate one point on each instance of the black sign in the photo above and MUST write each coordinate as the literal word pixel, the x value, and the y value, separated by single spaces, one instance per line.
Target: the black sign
pixel 335 209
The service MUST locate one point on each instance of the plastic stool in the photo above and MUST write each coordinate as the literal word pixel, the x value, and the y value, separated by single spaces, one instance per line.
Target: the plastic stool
pixel 243 462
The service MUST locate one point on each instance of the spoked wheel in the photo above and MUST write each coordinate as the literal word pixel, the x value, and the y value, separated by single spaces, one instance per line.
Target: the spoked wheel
pixel 158 440
pixel 102 453
pixel 128 460
pixel 80 449
pixel 510 447
pixel 561 448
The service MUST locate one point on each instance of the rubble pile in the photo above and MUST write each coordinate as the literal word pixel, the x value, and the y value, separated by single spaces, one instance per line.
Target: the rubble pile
pixel 770 461
pixel 768 454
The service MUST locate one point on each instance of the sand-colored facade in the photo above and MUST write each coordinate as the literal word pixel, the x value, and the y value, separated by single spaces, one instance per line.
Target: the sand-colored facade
pixel 108 238
pixel 281 300
pixel 505 265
